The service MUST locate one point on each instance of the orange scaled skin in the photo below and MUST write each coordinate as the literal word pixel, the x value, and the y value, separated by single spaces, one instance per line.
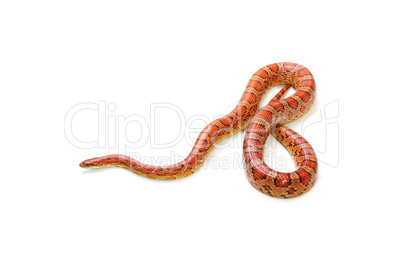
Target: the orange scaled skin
pixel 268 120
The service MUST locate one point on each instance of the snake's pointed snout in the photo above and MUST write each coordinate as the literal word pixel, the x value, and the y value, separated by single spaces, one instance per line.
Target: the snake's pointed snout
pixel 89 163
pixel 96 162
pixel 84 165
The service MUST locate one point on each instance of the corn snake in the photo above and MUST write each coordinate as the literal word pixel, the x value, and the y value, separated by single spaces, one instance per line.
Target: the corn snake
pixel 268 120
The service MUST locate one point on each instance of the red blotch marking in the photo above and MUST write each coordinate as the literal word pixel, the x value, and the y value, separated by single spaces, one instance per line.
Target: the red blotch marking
pixel 311 164
pixel 175 167
pixel 240 110
pixel 291 191
pixel 253 143
pixel 252 155
pixel 299 140
pixel 293 76
pixel 201 145
pixel 308 83
pixel 248 97
pixel 260 172
pixel 273 67
pixel 265 114
pixel 305 177
pixel 191 159
pixel 262 73
pixel 307 151
pixel 254 107
pixel 303 72
pixel 288 132
pixel 256 128
pixel 283 180
pixel 211 130
pixel 292 103
pixel 303 95
pixel 284 75
pixel 226 120
pixel 278 107
pixel 289 66
pixel 255 84
pixel 290 115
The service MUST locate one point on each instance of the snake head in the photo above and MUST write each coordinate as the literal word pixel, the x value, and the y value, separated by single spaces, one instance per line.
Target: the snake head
pixel 103 161
pixel 97 162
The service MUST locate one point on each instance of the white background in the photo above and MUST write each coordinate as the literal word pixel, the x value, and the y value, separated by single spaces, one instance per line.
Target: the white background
pixel 197 56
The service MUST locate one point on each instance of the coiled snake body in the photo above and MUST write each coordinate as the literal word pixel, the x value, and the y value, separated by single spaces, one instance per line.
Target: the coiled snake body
pixel 259 124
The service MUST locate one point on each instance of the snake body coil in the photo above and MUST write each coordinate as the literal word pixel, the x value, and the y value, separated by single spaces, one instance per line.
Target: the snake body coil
pixel 259 124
